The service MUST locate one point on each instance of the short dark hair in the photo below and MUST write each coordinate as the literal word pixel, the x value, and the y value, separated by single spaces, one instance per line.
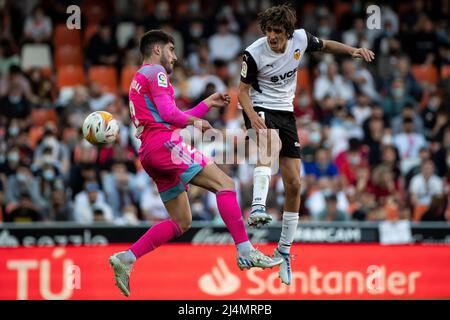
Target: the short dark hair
pixel 152 37
pixel 282 15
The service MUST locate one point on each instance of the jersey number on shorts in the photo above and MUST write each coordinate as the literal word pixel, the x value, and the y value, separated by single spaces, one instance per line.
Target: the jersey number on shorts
pixel 262 114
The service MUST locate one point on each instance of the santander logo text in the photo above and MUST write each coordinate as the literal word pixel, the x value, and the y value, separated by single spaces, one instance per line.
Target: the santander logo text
pixel 374 281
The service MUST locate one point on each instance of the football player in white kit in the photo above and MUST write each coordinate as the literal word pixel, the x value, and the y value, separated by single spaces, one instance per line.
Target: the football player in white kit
pixel 266 93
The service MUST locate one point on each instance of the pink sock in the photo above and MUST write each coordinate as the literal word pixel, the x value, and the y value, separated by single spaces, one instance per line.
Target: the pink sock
pixel 158 234
pixel 231 215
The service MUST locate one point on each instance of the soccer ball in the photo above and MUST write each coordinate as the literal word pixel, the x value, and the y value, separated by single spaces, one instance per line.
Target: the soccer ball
pixel 100 128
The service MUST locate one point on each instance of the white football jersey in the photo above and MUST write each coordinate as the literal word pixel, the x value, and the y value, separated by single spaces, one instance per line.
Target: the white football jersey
pixel 273 76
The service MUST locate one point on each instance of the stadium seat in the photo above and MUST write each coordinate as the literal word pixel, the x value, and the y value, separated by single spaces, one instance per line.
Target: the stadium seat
pixel 64 36
pixel 125 30
pixel 105 76
pixel 36 55
pixel 69 76
pixel 35 134
pixel 126 76
pixel 68 55
pixel 425 73
pixel 303 80
pixel 43 115
pixel 445 72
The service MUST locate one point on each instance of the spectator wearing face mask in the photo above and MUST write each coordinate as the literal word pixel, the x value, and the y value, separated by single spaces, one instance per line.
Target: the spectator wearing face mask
pixel 397 99
pixel 12 160
pixel 402 70
pixel 23 182
pixel 194 33
pixel 350 160
pixel 52 150
pixel 49 179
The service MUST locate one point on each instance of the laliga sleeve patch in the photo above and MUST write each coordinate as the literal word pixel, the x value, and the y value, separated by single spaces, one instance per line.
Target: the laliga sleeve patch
pixel 244 69
pixel 162 79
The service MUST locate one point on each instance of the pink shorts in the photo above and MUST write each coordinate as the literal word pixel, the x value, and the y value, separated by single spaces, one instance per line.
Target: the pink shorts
pixel 170 162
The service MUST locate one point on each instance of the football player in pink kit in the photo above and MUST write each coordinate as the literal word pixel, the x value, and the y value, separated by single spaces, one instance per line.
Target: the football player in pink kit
pixel 172 164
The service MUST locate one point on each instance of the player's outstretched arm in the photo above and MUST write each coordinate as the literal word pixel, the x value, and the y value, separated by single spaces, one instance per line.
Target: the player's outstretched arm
pixel 335 47
pixel 216 100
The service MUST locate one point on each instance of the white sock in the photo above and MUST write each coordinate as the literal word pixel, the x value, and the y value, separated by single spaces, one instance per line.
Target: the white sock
pixel 261 179
pixel 128 257
pixel 290 222
pixel 244 248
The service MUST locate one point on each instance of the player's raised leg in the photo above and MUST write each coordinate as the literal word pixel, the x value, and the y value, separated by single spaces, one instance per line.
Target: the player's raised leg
pixel 290 172
pixel 215 180
pixel 269 145
pixel 162 232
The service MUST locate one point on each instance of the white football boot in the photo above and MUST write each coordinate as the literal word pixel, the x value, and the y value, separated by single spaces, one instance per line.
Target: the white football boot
pixel 259 217
pixel 257 259
pixel 285 272
pixel 122 273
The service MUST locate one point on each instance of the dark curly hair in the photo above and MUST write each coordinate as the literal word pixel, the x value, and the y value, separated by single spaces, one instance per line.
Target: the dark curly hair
pixel 151 38
pixel 282 15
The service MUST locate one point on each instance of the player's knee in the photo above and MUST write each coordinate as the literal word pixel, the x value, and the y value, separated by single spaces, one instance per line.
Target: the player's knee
pixel 293 186
pixel 226 184
pixel 185 223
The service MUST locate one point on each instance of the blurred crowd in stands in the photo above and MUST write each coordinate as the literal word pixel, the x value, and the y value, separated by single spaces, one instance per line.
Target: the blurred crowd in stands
pixel 375 136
